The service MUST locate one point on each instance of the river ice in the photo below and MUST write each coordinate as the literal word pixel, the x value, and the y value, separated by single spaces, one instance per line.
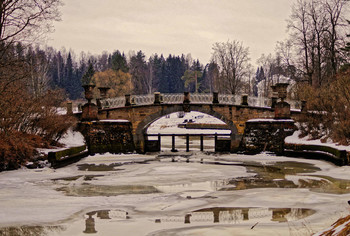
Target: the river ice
pixel 182 194
pixel 31 197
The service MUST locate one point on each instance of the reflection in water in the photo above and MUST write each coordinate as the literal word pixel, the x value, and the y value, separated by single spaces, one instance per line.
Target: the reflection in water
pixel 30 230
pixel 90 224
pixel 89 190
pixel 274 175
pixel 101 167
pixel 238 215
pixel 103 215
pixel 226 215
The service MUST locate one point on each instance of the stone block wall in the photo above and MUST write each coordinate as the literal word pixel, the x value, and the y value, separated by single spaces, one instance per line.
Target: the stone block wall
pixel 114 136
pixel 266 135
pixel 235 116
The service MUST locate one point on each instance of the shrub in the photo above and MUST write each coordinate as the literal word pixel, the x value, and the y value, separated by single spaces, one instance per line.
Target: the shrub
pixel 329 110
pixel 27 123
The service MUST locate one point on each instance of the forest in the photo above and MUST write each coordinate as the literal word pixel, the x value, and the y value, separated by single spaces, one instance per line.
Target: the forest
pixel 36 79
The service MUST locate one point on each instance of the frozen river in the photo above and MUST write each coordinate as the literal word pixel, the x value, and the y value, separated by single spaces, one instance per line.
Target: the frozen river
pixel 186 194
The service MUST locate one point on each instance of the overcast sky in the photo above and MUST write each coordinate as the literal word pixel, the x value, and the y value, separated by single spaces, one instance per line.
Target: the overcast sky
pixel 170 26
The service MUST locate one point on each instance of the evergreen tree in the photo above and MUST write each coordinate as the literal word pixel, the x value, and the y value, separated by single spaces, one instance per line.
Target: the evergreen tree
pixel 140 74
pixel 88 76
pixel 118 62
pixel 156 65
pixel 174 69
pixel 68 76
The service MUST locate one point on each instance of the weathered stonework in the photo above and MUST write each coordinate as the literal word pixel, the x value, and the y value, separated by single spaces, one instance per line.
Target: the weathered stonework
pixel 89 112
pixel 235 116
pixel 282 110
pixel 114 136
pixel 266 135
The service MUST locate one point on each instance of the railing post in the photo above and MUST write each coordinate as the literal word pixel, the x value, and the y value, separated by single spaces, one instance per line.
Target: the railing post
pixel 244 101
pixel 173 143
pixel 187 97
pixel 127 100
pixel 202 143
pixel 187 142
pixel 303 106
pixel 69 108
pixel 133 101
pixel 186 102
pixel 157 99
pixel 215 98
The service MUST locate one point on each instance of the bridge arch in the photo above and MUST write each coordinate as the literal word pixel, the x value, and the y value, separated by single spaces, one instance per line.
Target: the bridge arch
pixel 141 129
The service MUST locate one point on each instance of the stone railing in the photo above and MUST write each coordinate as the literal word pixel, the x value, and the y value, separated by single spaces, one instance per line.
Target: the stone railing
pixel 173 98
pixel 142 99
pixel 113 102
pixel 196 98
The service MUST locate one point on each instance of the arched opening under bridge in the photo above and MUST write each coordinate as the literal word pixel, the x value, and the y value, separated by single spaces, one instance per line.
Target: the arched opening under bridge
pixel 187 128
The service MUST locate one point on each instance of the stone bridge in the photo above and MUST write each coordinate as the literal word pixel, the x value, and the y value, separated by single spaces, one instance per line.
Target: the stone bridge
pixel 142 111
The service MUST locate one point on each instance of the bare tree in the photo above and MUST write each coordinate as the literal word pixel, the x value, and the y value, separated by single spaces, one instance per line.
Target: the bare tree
pixel 299 26
pixel 316 33
pixel 23 19
pixel 335 12
pixel 267 63
pixel 20 22
pixel 318 22
pixel 232 59
pixel 38 67
pixel 26 121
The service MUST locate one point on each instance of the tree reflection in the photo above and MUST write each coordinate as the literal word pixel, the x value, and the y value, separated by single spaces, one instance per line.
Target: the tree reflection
pixel 30 230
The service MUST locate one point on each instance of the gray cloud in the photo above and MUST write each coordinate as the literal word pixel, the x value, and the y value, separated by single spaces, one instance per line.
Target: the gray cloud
pixel 170 26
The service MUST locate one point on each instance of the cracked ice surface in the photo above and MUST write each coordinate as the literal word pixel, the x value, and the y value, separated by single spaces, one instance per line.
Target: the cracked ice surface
pixel 30 197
